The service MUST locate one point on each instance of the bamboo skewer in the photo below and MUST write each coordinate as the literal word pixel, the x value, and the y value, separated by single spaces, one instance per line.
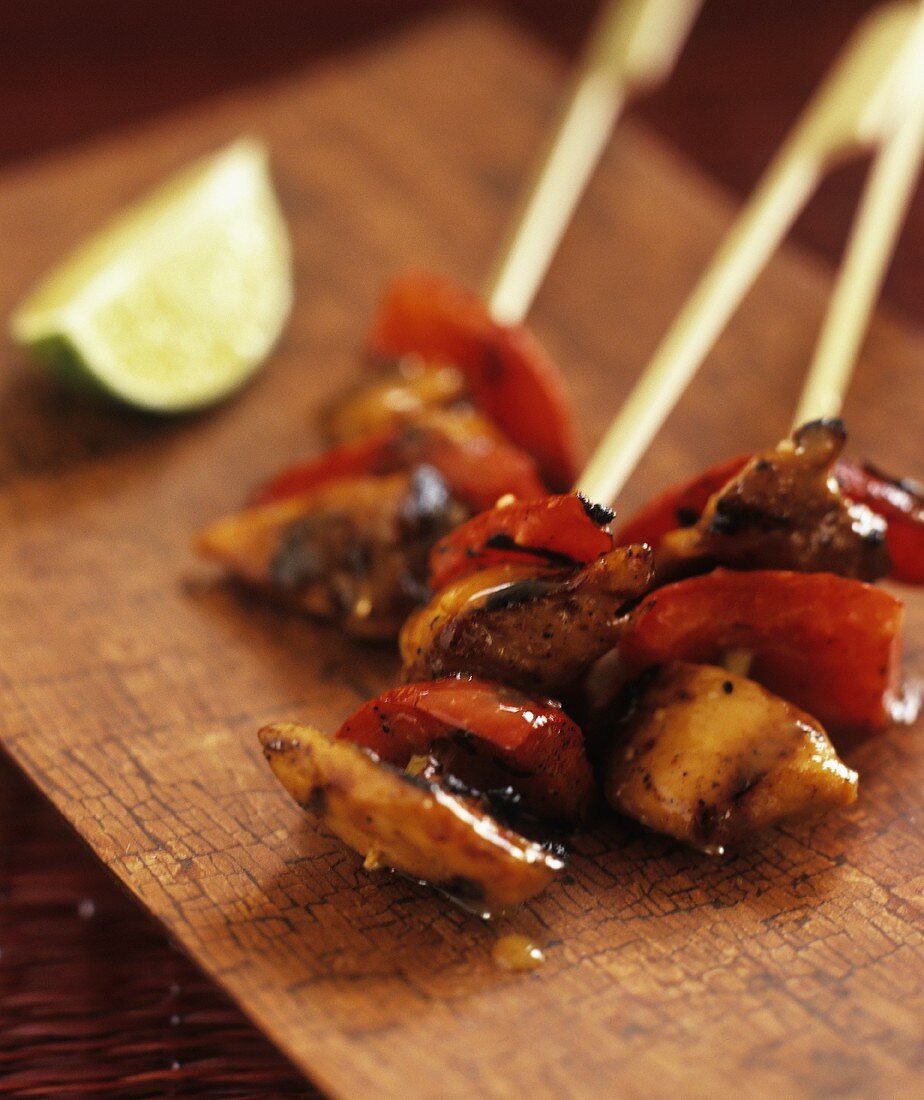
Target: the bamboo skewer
pixel 857 107
pixel 632 47
pixel 869 249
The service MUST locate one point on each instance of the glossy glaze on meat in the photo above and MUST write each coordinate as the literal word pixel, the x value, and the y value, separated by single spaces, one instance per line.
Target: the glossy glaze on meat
pixel 709 757
pixel 395 396
pixel 539 630
pixel 345 536
pixel 354 550
pixel 783 511
pixel 408 823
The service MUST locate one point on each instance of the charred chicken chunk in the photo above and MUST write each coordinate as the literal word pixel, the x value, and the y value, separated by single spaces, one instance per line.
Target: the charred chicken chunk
pixel 536 629
pixel 353 550
pixel 784 510
pixel 708 757
pixel 408 823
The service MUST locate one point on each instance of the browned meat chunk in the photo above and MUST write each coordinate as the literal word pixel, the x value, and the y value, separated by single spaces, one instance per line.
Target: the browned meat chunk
pixel 538 630
pixel 353 550
pixel 708 757
pixel 408 823
pixel 783 511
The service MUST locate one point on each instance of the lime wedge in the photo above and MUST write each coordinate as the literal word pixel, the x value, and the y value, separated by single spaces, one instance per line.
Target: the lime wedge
pixel 174 304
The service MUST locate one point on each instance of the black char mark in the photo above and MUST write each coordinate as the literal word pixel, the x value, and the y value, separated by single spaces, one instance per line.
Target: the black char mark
pixel 517 593
pixel 503 541
pixel 597 513
pixel 732 516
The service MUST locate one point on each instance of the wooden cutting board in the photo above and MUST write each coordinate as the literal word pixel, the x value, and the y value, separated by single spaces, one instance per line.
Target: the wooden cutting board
pixel 131 687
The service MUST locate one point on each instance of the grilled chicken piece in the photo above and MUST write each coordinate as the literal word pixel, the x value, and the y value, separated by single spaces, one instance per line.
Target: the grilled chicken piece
pixel 783 511
pixel 410 388
pixel 408 823
pixel 708 757
pixel 536 629
pixel 352 550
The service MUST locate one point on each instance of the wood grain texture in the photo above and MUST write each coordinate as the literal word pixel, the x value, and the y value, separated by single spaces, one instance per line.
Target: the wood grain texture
pixel 130 691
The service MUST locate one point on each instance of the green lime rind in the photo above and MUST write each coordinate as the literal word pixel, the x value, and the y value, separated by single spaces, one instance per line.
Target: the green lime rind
pixel 174 305
pixel 62 362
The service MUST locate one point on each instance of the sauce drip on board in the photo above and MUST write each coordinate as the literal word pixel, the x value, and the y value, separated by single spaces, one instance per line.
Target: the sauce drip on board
pixel 517 952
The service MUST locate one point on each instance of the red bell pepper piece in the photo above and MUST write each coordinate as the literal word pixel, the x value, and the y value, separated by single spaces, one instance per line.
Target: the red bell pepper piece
pixel 900 504
pixel 512 379
pixel 478 470
pixel 481 470
pixel 830 645
pixel 680 505
pixel 349 460
pixel 496 737
pixel 558 530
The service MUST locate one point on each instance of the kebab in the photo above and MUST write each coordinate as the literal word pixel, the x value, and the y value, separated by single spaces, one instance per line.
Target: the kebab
pixel 461 405
pixel 496 664
pixel 769 573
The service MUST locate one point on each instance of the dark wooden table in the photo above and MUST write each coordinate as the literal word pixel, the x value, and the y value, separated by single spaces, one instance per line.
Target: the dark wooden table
pixel 93 1000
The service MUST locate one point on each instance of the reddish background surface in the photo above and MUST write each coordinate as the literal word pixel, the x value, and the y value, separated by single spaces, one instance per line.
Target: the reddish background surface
pixel 93 1000
pixel 71 71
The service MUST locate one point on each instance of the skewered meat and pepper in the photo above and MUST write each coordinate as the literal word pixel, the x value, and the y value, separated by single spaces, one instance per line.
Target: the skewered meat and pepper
pixel 708 757
pixel 408 823
pixel 829 645
pixel 510 377
pixel 446 416
pixel 344 538
pixel 782 511
pixel 530 593
pixel 900 502
pixel 539 630
pixel 489 736
pixel 764 760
